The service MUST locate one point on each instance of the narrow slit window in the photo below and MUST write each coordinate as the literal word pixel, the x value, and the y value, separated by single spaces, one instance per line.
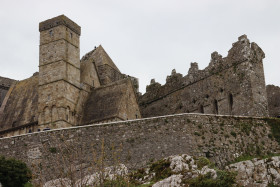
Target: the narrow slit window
pixel 201 109
pixel 216 109
pixel 230 100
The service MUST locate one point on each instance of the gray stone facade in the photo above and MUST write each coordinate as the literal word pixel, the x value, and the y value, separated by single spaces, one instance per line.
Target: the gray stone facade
pixel 69 91
pixel 219 138
pixel 232 85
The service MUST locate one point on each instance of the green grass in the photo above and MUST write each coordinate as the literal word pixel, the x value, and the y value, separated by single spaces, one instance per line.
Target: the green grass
pixel 246 157
pixel 274 124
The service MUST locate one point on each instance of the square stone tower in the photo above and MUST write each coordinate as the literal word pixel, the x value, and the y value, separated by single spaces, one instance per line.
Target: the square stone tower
pixel 59 72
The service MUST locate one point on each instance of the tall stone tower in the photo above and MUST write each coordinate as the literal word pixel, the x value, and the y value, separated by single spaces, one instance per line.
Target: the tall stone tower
pixel 59 72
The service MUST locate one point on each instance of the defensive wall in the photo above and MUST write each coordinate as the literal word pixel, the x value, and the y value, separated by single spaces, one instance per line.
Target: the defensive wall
pixel 220 138
pixel 273 99
pixel 231 85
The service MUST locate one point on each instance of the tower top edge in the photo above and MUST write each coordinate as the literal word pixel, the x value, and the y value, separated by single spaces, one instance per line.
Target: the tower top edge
pixel 60 20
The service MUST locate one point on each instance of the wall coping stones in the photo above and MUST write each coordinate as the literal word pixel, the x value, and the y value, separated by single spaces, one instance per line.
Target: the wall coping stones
pixel 60 20
pixel 129 121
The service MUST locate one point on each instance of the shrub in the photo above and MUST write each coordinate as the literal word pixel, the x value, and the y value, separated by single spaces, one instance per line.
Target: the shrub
pixel 13 172
pixel 233 134
pixel 202 161
pixel 274 124
pixel 162 169
pixel 224 179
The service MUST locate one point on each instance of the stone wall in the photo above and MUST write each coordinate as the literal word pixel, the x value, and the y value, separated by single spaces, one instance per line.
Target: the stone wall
pixel 5 84
pixel 112 101
pixel 21 106
pixel 233 85
pixel 273 98
pixel 220 138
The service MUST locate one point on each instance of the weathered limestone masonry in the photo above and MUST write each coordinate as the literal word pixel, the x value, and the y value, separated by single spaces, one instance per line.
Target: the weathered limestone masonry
pixel 273 97
pixel 233 85
pixel 220 138
pixel 67 91
pixel 59 72
pixel 5 84
pixel 20 110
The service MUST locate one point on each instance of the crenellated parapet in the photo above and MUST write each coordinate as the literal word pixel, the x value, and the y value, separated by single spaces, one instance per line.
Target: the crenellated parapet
pixel 239 73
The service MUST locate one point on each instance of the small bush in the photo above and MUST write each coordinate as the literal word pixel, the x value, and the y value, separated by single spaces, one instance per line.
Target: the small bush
pixel 53 150
pixel 274 124
pixel 246 128
pixel 13 172
pixel 233 134
pixel 197 133
pixel 202 161
pixel 162 170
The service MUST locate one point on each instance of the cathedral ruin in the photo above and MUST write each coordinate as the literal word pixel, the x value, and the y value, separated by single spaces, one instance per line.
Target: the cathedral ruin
pixel 69 91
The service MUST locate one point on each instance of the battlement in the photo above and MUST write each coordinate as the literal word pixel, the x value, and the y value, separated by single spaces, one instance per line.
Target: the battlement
pixel 222 77
pixel 60 20
pixel 241 51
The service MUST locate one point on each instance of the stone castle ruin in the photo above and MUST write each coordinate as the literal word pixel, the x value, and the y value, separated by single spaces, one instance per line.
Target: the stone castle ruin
pixel 69 92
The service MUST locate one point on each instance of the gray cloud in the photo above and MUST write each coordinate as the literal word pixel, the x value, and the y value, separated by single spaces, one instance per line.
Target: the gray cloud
pixel 146 38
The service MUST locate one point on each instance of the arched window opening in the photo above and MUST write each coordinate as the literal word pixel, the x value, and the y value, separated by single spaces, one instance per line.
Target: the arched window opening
pixel 230 101
pixel 216 109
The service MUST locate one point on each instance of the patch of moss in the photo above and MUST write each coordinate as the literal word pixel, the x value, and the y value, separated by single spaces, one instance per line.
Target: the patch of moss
pixel 197 133
pixel 246 128
pixel 224 179
pixel 233 134
pixel 274 124
pixel 53 150
pixel 246 157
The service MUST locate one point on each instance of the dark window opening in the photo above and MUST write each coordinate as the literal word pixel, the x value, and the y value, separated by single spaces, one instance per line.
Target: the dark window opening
pixel 30 131
pixel 51 32
pixel 66 117
pixel 14 124
pixel 39 130
pixel 216 109
pixel 136 116
pixel 221 90
pixel 230 99
pixel 207 96
pixel 71 35
pixel 201 109
pixel 46 129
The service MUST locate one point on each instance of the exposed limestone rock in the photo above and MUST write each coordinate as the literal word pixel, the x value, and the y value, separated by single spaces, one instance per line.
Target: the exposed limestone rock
pixel 109 173
pixel 257 172
pixel 58 183
pixel 252 173
pixel 172 181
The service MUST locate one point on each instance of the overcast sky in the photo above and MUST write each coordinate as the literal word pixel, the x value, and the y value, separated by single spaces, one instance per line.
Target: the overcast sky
pixel 145 38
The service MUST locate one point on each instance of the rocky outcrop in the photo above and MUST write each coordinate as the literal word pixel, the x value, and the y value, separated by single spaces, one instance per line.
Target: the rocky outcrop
pixel 185 170
pixel 257 172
